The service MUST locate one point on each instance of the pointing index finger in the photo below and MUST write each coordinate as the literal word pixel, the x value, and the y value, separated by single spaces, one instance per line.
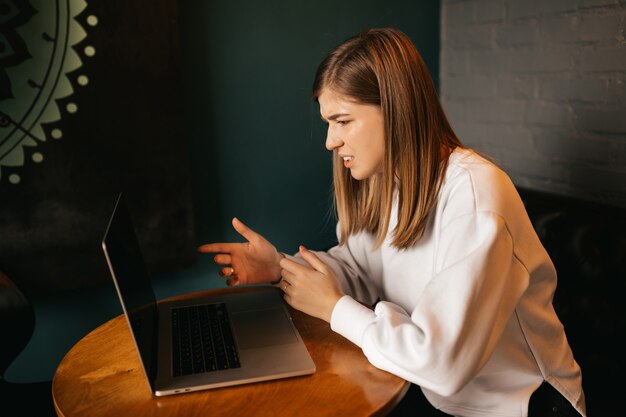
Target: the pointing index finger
pixel 215 248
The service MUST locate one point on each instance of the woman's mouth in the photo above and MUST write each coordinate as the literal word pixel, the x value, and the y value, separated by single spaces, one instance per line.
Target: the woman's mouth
pixel 347 161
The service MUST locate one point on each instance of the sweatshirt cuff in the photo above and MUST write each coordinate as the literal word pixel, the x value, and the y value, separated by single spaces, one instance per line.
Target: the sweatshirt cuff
pixel 350 319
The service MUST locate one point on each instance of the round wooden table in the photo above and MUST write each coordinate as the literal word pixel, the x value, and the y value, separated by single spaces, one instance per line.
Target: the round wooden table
pixel 102 376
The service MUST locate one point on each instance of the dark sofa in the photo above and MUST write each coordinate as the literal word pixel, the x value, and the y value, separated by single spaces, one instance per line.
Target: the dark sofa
pixel 587 243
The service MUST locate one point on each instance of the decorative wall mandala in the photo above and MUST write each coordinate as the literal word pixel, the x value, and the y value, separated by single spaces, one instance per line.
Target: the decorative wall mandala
pixel 37 40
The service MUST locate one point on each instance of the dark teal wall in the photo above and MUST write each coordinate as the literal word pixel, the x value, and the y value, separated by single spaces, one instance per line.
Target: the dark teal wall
pixel 257 146
pixel 257 143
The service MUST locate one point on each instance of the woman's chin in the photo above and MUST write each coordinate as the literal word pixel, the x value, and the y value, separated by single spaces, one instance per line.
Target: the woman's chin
pixel 359 175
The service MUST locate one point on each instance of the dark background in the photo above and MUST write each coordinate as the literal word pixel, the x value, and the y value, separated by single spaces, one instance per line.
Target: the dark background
pixel 200 110
pixel 256 138
pixel 129 135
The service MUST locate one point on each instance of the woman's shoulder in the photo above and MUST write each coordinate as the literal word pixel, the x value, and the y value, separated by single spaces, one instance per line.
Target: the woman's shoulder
pixel 471 165
pixel 471 162
pixel 476 182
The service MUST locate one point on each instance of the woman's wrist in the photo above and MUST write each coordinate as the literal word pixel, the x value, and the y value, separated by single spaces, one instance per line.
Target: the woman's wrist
pixel 280 257
pixel 331 307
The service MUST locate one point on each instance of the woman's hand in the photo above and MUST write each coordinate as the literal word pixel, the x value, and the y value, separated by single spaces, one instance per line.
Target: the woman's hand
pixel 312 289
pixel 253 262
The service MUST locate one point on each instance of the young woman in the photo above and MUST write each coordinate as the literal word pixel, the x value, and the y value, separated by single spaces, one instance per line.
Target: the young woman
pixel 431 235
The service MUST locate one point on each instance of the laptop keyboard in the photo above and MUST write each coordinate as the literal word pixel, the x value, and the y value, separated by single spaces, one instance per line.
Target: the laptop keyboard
pixel 202 340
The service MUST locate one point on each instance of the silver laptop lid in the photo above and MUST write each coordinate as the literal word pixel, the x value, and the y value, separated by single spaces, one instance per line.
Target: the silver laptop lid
pixel 132 282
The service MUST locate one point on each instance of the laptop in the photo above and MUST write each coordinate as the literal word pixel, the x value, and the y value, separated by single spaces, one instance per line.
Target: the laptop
pixel 206 342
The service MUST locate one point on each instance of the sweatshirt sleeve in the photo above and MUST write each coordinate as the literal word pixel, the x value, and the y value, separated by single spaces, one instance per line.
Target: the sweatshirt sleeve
pixel 454 328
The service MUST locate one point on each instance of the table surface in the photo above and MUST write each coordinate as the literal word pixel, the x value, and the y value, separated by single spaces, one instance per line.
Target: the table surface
pixel 102 376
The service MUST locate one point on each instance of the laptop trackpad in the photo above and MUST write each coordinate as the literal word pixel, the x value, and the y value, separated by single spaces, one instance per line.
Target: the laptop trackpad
pixel 263 328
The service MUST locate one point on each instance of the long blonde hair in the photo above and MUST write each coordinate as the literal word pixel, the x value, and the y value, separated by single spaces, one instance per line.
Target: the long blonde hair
pixel 383 67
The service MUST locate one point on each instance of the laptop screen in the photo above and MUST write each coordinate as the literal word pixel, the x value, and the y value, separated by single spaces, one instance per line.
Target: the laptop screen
pixel 132 282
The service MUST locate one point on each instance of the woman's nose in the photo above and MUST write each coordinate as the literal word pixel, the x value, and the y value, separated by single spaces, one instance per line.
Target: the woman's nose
pixel 332 141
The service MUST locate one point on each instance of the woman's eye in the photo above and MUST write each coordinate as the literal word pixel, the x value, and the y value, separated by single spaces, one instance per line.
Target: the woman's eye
pixel 342 122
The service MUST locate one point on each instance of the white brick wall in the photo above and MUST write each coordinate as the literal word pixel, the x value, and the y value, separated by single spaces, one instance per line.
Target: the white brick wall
pixel 539 85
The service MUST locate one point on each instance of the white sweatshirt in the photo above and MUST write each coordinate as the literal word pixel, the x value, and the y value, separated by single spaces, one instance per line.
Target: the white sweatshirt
pixel 467 312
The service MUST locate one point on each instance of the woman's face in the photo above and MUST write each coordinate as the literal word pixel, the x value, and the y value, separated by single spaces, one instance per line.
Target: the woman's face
pixel 356 131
